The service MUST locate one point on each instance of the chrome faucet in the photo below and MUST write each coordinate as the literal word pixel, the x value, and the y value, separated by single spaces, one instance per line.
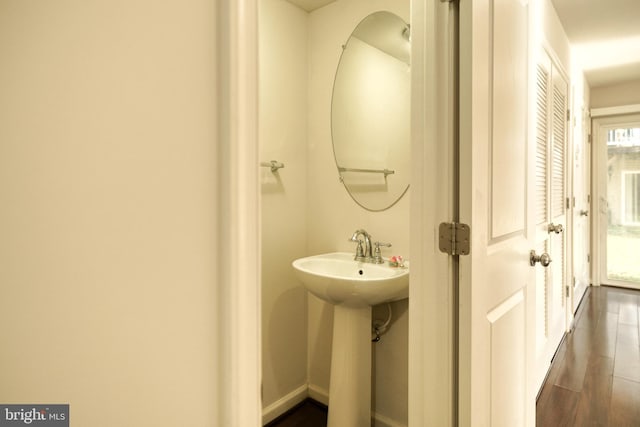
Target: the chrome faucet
pixel 362 254
pixel 366 254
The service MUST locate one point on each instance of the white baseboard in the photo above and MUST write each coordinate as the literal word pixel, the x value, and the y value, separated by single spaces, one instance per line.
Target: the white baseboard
pixel 319 394
pixel 285 403
pixel 382 421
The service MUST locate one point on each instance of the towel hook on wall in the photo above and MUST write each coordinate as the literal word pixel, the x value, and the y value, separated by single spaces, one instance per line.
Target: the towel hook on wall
pixel 273 164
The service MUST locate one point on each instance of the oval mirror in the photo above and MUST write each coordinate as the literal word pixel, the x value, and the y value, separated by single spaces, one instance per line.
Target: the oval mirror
pixel 370 112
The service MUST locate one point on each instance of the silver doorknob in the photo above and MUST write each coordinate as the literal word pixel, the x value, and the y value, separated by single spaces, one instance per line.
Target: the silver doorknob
pixel 584 213
pixel 555 228
pixel 543 259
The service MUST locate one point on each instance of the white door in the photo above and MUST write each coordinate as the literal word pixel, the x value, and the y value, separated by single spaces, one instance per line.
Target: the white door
pixel 550 211
pixel 581 209
pixel 497 284
pixel 617 176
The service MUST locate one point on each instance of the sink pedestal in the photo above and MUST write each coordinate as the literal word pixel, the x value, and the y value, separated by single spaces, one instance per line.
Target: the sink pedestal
pixel 353 287
pixel 350 386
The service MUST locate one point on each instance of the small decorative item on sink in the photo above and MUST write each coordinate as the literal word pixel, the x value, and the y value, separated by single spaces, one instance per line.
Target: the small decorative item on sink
pixel 396 261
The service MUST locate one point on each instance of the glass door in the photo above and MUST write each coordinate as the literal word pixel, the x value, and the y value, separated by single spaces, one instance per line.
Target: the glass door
pixel 619 211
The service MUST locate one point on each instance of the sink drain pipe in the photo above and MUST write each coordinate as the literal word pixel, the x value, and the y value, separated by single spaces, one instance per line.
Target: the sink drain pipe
pixel 379 328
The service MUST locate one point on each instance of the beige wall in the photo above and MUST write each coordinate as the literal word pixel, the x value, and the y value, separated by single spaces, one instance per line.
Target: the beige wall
pixel 555 38
pixel 333 216
pixel 627 93
pixel 283 137
pixel 305 209
pixel 107 171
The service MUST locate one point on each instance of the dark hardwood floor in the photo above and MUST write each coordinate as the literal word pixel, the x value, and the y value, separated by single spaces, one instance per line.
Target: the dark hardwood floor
pixel 594 379
pixel 307 414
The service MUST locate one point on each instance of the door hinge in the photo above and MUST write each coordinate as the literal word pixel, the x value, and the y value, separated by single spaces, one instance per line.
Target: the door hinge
pixel 568 114
pixel 589 139
pixel 588 258
pixel 455 238
pixel 567 291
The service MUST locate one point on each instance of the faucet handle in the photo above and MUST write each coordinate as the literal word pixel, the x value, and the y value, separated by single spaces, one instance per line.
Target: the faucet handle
pixel 359 248
pixel 377 256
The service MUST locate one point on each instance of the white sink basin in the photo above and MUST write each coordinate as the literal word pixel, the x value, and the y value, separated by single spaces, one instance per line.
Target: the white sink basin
pixel 338 279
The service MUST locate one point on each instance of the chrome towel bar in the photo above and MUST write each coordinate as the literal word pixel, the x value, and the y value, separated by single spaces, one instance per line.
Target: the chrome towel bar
pixel 384 171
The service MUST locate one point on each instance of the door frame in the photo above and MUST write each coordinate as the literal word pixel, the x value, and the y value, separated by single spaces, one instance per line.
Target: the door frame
pixel 603 119
pixel 432 318
pixel 237 292
pixel 237 288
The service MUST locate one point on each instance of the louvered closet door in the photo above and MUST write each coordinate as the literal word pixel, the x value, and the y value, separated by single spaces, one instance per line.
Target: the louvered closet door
pixel 558 195
pixel 541 215
pixel 550 149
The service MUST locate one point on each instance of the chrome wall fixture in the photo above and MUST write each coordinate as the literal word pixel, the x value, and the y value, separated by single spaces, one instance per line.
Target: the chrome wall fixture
pixel 384 171
pixel 273 164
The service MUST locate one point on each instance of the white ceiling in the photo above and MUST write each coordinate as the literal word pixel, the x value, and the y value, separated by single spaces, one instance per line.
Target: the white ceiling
pixel 311 5
pixel 606 37
pixel 604 33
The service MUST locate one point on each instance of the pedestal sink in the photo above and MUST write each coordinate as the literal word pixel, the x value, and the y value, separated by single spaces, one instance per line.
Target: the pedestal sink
pixel 352 287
